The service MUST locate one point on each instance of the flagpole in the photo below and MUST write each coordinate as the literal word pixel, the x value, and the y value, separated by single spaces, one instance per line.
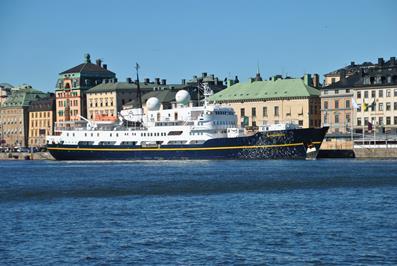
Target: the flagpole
pixel 351 125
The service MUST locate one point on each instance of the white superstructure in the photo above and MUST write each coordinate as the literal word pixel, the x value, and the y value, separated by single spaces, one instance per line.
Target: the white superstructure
pixel 181 125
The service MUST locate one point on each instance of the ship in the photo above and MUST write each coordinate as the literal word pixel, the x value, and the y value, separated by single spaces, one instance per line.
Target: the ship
pixel 209 131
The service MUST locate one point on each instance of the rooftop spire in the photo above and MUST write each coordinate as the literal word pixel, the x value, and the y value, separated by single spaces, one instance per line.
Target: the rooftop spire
pixel 258 74
pixel 87 58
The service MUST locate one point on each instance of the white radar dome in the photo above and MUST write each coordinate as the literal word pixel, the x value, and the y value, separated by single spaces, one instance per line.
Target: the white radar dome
pixel 153 104
pixel 182 97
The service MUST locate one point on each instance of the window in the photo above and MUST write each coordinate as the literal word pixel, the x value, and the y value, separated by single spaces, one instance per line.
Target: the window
pixel 276 111
pixel 336 118
pixel 347 118
pixel 358 121
pixel 388 120
pixel 395 120
pixel 388 93
pixel 336 104
pixel 336 91
pixel 388 106
pixel 332 80
pixel 325 104
pixel 253 112
pixel 380 93
pixel 264 111
pixel 365 121
pixel 395 92
pixel 300 122
pixel 365 94
pixel 325 92
pixel 242 112
pixel 347 90
pixel 381 121
pixel 373 94
pixel 380 106
pixel 395 105
pixel 359 95
pixel 347 103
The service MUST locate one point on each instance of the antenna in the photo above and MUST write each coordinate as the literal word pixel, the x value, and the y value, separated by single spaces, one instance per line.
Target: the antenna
pixel 138 88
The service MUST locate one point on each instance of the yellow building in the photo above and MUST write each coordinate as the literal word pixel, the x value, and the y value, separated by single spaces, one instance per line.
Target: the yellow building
pixel 275 101
pixel 105 100
pixel 41 121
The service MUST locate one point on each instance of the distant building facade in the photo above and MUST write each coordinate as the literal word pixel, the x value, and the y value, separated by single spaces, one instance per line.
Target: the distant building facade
pixel 72 85
pixel 373 89
pixel 5 91
pixel 14 115
pixel 347 71
pixel 41 120
pixel 274 101
pixel 105 100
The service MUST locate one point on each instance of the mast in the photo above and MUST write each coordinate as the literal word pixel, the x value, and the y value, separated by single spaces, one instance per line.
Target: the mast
pixel 138 88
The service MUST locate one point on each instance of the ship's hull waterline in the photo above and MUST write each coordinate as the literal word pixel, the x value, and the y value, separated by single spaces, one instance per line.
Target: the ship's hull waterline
pixel 286 144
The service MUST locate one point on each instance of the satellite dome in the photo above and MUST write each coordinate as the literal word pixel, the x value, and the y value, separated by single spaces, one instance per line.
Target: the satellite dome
pixel 153 104
pixel 182 97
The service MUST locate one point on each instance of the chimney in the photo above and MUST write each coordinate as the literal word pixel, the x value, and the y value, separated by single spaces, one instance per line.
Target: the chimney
pixel 129 80
pixel 212 76
pixel 352 63
pixel 392 60
pixel 98 62
pixel 157 81
pixel 204 74
pixel 183 81
pixel 236 80
pixel 115 80
pixel 316 80
pixel 342 74
pixel 105 66
pixel 307 79
pixel 229 82
pixel 380 61
pixel 146 80
pixel 163 82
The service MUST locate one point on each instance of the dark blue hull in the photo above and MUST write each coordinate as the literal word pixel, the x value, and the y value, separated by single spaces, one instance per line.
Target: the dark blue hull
pixel 288 144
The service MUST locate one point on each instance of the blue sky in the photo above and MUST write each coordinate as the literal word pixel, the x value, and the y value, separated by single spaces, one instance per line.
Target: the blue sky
pixel 177 39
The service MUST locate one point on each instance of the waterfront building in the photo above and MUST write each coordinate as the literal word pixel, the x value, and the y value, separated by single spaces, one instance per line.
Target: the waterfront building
pixel 347 71
pixel 5 91
pixel 215 83
pixel 263 102
pixel 14 115
pixel 41 120
pixel 373 89
pixel 107 99
pixel 72 86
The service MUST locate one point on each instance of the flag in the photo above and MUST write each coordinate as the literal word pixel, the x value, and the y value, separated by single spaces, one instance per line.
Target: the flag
pixel 369 126
pixel 365 106
pixel 372 105
pixel 355 105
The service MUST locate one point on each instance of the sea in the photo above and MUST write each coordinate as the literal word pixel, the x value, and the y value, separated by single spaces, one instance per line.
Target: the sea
pixel 322 212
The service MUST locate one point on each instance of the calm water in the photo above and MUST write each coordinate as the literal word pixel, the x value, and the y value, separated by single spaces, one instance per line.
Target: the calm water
pixel 320 212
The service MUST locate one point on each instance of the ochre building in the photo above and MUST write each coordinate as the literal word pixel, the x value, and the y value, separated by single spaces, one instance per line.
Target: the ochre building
pixel 274 101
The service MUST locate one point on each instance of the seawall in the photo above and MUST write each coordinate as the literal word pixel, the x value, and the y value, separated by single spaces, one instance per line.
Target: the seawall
pixel 25 156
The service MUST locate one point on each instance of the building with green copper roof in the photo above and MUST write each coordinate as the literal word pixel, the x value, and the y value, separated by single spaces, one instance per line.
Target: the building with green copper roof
pixel 14 115
pixel 260 102
pixel 266 90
